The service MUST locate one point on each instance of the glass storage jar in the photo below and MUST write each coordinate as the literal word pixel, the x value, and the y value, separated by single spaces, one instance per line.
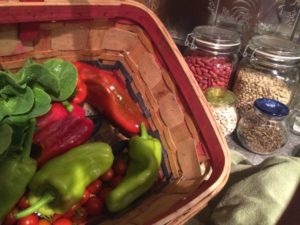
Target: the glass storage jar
pixel 221 102
pixel 212 55
pixel 268 70
pixel 264 130
pixel 294 119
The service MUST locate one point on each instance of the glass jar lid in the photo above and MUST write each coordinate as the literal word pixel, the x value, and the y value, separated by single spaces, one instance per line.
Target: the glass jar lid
pixel 271 107
pixel 214 38
pixel 219 96
pixel 273 48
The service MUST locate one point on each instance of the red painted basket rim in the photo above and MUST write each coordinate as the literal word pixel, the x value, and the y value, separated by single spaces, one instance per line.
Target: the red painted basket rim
pixel 14 12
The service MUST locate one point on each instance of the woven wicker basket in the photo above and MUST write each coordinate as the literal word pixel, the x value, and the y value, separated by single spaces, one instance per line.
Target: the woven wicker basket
pixel 195 152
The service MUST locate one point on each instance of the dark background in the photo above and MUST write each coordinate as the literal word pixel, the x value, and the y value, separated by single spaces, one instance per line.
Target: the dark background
pixel 248 17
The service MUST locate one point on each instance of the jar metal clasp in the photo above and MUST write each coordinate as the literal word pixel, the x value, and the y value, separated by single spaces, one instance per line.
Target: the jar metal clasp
pixel 244 54
pixel 252 56
pixel 189 43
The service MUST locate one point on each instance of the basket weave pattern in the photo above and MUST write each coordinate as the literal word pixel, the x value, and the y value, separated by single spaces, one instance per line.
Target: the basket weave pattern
pixel 178 110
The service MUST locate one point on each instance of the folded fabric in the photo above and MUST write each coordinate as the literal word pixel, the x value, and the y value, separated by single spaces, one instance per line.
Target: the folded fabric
pixel 254 194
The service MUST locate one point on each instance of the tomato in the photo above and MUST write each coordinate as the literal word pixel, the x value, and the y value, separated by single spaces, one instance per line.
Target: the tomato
pixel 10 218
pixel 31 219
pixel 80 216
pixel 63 221
pixel 85 197
pixel 120 167
pixel 95 186
pixel 115 181
pixel 94 206
pixel 56 217
pixel 44 222
pixel 23 203
pixel 71 212
pixel 104 192
pixel 108 175
pixel 160 174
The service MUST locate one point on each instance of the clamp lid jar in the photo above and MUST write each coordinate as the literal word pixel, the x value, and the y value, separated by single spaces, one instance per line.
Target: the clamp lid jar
pixel 294 119
pixel 269 69
pixel 271 50
pixel 264 130
pixel 212 55
pixel 221 103
pixel 214 40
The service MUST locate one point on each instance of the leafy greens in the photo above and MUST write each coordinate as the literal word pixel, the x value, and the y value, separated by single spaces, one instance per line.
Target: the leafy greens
pixel 28 94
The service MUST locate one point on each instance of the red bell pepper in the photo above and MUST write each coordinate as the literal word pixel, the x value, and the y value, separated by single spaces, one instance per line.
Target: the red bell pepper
pixel 108 96
pixel 60 130
pixel 56 112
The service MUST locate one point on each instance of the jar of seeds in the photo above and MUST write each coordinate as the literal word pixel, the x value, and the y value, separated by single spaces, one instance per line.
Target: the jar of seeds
pixel 212 55
pixel 221 102
pixel 264 130
pixel 268 70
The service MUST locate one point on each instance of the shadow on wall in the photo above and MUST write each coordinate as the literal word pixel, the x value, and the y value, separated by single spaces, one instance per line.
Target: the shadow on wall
pixel 248 17
pixel 181 16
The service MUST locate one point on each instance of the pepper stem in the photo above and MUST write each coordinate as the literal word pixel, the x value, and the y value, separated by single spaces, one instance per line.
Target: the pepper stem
pixel 43 201
pixel 28 140
pixel 68 106
pixel 144 133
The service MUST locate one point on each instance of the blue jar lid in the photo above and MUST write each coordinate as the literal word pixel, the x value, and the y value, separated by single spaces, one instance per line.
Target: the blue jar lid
pixel 271 107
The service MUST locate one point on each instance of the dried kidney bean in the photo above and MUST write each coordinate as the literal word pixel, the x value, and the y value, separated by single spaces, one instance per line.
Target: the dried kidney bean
pixel 210 71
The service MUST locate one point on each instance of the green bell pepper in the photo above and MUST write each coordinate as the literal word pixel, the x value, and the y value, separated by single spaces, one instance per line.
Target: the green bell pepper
pixel 61 182
pixel 16 171
pixel 145 154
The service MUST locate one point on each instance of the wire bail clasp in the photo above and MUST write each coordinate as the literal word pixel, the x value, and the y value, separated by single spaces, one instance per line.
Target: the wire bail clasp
pixel 245 53
pixel 189 43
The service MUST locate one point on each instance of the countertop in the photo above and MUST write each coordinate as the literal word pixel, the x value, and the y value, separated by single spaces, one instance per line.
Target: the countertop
pixel 291 148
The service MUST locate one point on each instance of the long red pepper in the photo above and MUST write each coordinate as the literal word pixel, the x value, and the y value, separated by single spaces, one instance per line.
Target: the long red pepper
pixel 80 92
pixel 108 96
pixel 60 130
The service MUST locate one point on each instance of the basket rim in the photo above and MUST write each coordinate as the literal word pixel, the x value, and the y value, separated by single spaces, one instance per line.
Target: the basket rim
pixel 165 45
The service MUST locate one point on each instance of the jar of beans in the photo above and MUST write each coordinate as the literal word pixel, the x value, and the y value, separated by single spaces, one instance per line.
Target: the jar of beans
pixel 212 55
pixel 264 129
pixel 268 69
pixel 221 102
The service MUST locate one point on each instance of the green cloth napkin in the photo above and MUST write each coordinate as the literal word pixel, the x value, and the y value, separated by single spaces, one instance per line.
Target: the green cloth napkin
pixel 254 194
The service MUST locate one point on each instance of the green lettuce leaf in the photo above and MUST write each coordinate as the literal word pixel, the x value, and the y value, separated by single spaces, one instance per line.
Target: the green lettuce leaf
pixel 67 77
